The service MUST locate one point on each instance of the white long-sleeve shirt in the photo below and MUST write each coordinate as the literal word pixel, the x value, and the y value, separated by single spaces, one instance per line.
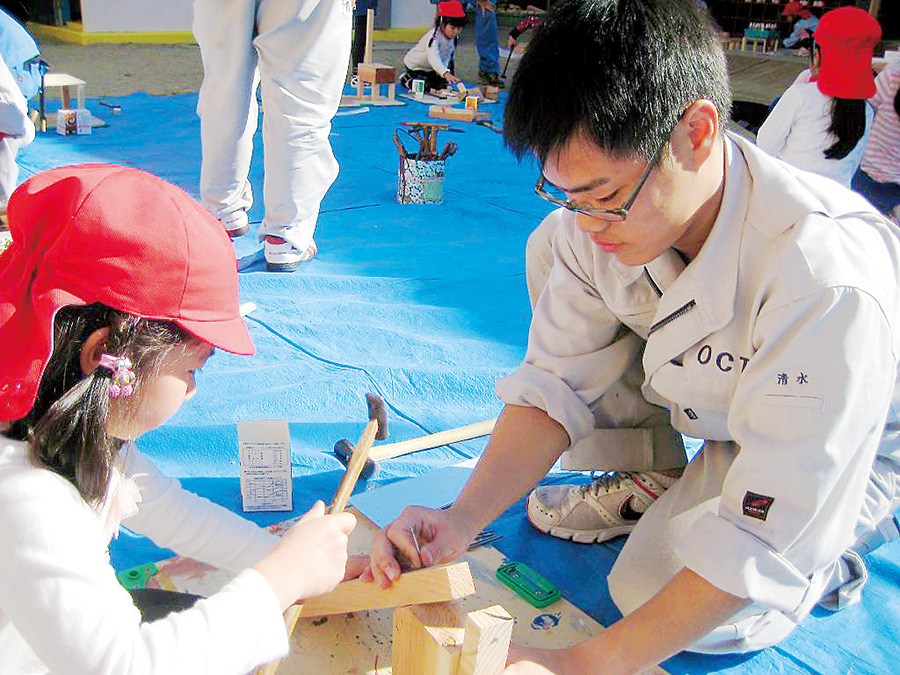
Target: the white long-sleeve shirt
pixel 782 335
pixel 435 56
pixel 62 610
pixel 796 131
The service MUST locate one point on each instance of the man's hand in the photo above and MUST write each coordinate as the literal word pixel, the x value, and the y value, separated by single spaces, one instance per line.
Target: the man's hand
pixel 451 78
pixel 487 6
pixel 511 43
pixel 441 536
pixel 539 662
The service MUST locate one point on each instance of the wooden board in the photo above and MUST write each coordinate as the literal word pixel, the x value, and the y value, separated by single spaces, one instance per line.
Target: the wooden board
pixel 360 643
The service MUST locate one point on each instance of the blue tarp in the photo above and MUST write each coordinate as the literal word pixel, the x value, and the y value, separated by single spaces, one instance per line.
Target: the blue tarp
pixel 424 305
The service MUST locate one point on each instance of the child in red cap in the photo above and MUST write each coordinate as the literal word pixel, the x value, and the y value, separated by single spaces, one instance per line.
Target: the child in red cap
pixel 822 122
pixel 431 59
pixel 116 289
pixel 804 26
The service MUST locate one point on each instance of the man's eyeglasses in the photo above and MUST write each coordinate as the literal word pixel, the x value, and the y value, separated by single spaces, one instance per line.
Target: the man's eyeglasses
pixel 611 215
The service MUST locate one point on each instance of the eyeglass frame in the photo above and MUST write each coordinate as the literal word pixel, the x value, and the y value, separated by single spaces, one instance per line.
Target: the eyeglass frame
pixel 609 215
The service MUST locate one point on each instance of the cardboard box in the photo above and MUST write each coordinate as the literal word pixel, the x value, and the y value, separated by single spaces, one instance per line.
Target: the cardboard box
pixel 265 452
pixel 73 121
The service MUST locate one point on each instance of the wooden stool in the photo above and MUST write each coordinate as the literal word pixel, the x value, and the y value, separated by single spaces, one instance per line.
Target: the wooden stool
pixel 764 41
pixel 62 81
pixel 375 74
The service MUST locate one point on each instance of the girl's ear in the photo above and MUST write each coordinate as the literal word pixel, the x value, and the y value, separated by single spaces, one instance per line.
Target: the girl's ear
pixel 92 349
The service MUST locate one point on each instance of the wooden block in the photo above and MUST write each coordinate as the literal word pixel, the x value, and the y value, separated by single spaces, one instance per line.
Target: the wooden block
pixel 376 73
pixel 486 642
pixel 448 112
pixel 430 584
pixel 427 639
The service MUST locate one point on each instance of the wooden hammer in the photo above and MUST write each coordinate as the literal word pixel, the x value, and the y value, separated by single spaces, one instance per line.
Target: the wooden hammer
pixel 339 503
pixel 344 449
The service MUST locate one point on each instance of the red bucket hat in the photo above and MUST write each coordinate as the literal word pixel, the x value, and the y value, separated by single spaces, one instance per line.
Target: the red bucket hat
pixel 117 236
pixel 452 9
pixel 847 37
pixel 792 8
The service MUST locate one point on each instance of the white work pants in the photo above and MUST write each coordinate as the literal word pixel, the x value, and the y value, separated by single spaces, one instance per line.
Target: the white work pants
pixel 298 51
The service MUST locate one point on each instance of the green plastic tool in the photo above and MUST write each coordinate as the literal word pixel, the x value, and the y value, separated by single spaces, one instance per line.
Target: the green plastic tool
pixel 534 588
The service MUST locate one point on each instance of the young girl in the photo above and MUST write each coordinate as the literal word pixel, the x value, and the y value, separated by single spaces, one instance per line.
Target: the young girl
pixel 821 124
pixel 116 290
pixel 432 57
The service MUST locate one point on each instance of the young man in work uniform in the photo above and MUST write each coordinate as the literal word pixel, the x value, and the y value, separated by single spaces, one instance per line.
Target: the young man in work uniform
pixel 691 282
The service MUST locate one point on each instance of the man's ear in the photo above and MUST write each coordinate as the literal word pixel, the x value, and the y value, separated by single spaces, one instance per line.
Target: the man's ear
pixel 696 133
pixel 92 349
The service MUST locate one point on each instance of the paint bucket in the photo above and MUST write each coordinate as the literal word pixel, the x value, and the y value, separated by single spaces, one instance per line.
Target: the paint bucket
pixel 420 181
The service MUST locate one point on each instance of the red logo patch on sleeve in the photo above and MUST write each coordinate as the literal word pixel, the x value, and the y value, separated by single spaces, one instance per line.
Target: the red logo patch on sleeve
pixel 757 506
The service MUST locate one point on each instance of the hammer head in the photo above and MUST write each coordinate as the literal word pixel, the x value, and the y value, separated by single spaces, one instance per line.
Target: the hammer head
pixel 343 449
pixel 378 412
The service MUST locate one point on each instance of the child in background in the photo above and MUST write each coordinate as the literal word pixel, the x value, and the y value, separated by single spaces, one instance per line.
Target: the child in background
pixel 878 178
pixel 529 22
pixel 116 289
pixel 432 57
pixel 20 79
pixel 822 125
pixel 804 26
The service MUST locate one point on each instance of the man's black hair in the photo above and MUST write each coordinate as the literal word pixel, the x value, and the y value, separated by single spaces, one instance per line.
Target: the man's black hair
pixel 620 71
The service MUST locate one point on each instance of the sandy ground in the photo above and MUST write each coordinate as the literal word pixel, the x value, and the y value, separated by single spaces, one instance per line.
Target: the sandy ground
pixel 117 70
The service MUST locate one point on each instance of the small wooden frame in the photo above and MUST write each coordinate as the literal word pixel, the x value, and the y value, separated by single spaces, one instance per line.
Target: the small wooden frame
pixel 427 585
pixel 374 75
pixel 63 81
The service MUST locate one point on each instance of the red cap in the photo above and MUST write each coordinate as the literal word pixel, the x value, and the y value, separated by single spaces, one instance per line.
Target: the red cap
pixel 847 37
pixel 118 236
pixel 792 8
pixel 452 9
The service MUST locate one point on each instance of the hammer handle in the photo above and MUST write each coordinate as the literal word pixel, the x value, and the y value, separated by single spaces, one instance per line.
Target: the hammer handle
pixel 354 467
pixel 348 482
pixel 390 450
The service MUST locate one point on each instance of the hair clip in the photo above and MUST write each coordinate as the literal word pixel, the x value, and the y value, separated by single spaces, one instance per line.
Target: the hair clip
pixel 123 377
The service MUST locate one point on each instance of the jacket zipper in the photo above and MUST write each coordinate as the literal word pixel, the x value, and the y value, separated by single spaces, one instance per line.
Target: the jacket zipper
pixel 681 311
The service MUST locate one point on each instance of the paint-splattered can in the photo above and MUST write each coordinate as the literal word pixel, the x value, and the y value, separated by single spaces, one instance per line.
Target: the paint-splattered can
pixel 421 181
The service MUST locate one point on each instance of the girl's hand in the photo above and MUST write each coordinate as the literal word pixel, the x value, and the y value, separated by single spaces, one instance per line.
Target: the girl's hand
pixel 451 78
pixel 310 558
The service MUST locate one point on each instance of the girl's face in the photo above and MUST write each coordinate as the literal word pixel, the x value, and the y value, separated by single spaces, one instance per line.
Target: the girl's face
pixel 451 32
pixel 159 394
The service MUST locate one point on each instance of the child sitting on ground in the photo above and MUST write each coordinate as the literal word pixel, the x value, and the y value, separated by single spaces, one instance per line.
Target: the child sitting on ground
pixel 116 289
pixel 432 57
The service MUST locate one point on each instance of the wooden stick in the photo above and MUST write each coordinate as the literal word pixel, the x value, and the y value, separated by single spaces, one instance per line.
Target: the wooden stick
pixel 429 584
pixel 390 450
pixel 348 482
pixel 370 26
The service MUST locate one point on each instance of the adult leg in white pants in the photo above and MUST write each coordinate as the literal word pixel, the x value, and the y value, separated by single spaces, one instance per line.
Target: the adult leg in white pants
pixel 224 30
pixel 649 558
pixel 304 49
pixel 300 50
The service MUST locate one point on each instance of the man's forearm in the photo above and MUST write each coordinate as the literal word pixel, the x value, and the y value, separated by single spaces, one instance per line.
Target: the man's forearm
pixel 686 609
pixel 524 445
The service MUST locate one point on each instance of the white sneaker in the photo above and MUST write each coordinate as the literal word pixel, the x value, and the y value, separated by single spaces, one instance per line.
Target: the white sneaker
pixel 236 224
pixel 608 507
pixel 281 256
